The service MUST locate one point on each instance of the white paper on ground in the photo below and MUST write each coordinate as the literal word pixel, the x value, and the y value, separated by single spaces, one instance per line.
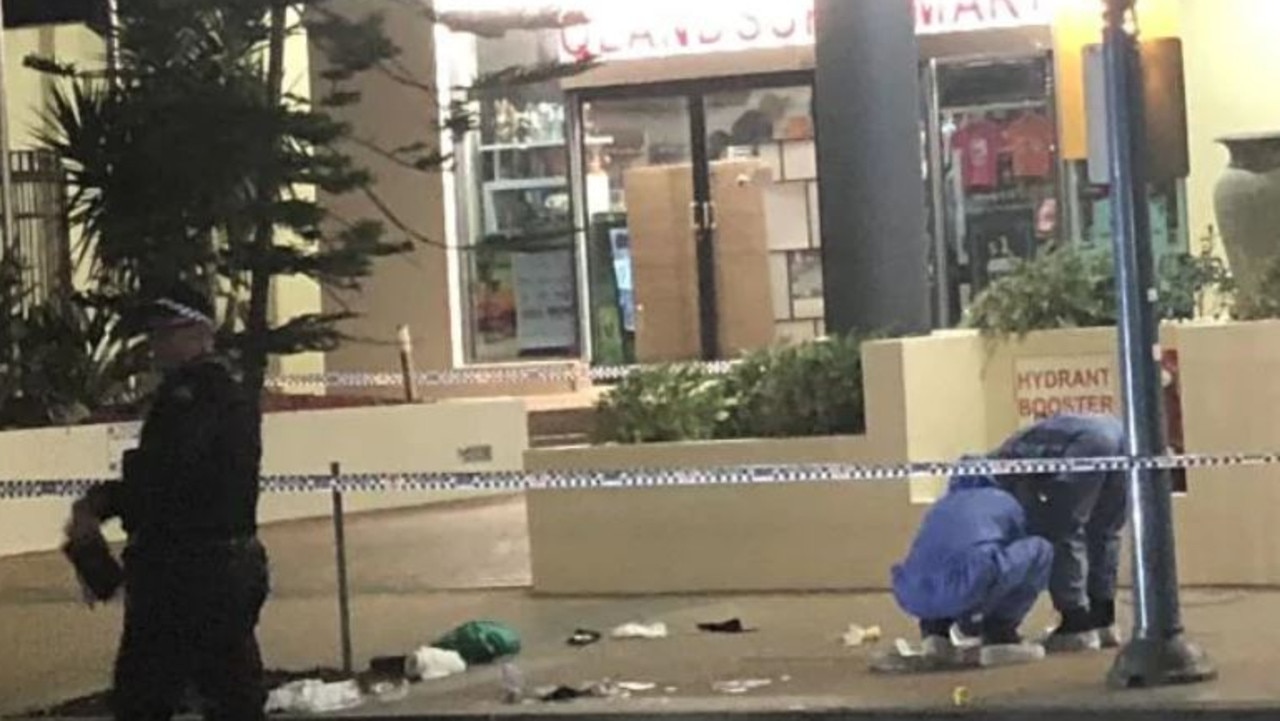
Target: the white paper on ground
pixel 741 685
pixel 314 696
pixel 640 630
pixel 858 635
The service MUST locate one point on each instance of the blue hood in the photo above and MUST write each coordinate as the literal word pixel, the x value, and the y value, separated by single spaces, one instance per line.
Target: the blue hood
pixel 972 481
pixel 957 535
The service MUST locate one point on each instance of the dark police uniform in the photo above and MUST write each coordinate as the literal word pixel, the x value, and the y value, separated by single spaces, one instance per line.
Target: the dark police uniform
pixel 195 574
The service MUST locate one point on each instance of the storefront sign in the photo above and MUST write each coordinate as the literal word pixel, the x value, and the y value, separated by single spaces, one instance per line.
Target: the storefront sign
pixel 659 28
pixel 1046 386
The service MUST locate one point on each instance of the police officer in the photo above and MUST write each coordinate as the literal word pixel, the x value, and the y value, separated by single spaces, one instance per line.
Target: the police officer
pixel 195 575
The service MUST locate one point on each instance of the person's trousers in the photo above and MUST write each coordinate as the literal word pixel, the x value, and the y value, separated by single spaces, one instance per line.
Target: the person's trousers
pixel 190 620
pixel 1021 575
pixel 1082 514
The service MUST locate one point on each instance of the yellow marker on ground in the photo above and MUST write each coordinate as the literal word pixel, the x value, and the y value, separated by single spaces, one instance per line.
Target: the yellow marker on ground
pixel 960 696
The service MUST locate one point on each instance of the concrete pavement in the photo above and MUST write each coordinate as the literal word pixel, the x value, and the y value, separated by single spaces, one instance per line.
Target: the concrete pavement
pixel 419 573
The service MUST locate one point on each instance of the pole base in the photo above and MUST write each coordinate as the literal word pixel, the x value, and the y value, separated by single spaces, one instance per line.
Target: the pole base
pixel 1149 663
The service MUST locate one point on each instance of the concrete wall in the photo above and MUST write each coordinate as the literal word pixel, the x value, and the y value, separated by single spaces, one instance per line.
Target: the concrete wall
pixel 1230 53
pixel 28 89
pixel 928 399
pixel 758 538
pixel 1231 398
pixel 382 439
pixel 411 288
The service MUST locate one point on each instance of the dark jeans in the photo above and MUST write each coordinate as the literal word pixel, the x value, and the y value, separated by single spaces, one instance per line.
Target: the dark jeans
pixel 190 617
pixel 1081 514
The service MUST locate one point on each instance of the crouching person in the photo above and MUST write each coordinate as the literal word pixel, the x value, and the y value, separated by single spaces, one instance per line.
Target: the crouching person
pixel 1082 514
pixel 973 563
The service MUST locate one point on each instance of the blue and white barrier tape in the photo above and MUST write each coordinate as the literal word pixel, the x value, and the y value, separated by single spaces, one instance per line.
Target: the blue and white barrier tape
pixel 669 477
pixel 478 376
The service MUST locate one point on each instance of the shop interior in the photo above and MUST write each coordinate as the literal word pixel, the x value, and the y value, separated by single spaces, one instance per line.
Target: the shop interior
pixel 674 221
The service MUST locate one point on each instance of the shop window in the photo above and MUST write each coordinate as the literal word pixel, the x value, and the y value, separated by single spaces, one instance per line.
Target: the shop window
pixel 518 270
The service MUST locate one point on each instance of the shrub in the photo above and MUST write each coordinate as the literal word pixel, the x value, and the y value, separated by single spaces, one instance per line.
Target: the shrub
pixel 1063 288
pixel 811 389
pixel 665 403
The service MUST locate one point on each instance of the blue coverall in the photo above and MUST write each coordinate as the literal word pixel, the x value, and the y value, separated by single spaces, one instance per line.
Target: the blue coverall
pixel 1082 514
pixel 973 556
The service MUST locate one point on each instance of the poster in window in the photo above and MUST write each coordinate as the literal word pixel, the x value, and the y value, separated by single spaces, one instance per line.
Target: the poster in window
pixel 545 308
pixel 805 271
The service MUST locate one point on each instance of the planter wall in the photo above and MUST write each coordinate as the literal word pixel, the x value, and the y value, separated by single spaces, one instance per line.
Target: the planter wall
pixel 841 535
pixel 389 439
pixel 928 399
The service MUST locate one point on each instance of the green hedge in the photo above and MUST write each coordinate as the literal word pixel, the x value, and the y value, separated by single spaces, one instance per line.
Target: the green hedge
pixel 810 389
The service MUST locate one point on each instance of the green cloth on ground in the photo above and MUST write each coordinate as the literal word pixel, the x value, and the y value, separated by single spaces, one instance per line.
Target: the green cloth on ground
pixel 481 642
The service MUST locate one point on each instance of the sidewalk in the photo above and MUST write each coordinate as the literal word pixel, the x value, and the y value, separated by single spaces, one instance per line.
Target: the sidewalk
pixel 56 650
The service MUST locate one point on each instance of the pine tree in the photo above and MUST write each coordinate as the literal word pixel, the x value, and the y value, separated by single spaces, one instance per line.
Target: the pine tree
pixel 189 162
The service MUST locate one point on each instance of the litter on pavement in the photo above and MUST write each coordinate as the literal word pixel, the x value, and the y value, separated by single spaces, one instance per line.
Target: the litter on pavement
pixel 584 637
pixel 314 696
pixel 733 625
pixel 741 686
pixel 648 631
pixel 598 690
pixel 858 635
pixel 429 664
pixel 481 642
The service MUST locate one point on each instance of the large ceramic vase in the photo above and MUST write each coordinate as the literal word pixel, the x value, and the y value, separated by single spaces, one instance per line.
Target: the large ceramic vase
pixel 1247 203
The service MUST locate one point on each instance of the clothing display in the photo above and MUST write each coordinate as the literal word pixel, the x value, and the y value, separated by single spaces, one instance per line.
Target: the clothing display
pixel 979 144
pixel 1030 142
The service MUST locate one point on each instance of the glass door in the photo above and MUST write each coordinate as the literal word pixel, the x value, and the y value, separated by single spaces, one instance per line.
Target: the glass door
pixel 643 228
pixel 702 219
pixel 763 191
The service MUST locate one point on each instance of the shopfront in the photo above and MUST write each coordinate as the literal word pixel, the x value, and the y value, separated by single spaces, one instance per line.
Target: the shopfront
pixel 664 205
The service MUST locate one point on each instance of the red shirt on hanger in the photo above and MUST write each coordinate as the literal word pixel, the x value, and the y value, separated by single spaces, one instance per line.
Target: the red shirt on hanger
pixel 1030 140
pixel 979 143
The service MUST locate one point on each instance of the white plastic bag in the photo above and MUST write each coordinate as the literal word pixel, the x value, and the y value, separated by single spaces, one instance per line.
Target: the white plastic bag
pixel 428 664
pixel 314 696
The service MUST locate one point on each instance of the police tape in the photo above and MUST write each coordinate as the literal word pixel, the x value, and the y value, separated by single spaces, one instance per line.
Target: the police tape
pixel 741 475
pixel 481 376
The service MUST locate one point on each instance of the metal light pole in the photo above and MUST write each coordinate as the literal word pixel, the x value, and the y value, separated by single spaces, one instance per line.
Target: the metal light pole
pixel 1158 654
pixel 6 174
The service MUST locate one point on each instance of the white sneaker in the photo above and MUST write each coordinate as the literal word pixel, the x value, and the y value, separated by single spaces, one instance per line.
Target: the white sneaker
pixel 1109 637
pixel 938 647
pixel 1072 642
pixel 961 641
pixel 944 653
pixel 1012 654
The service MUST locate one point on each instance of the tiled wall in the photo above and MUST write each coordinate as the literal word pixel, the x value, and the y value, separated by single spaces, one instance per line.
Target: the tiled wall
pixel 795 261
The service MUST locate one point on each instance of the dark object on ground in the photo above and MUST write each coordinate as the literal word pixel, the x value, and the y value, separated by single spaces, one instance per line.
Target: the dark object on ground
pixel 389 666
pixel 564 693
pixel 584 637
pixel 98 705
pixel 730 626
pixel 97 568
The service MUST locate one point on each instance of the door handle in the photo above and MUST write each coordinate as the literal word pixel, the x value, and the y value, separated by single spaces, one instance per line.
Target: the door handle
pixel 709 213
pixel 696 215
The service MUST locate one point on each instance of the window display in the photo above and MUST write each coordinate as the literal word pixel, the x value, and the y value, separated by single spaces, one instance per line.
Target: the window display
pixel 995 197
pixel 518 270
